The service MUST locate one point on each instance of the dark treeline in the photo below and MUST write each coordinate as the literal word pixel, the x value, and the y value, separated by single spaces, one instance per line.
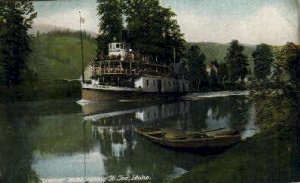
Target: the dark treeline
pixel 278 67
pixel 16 17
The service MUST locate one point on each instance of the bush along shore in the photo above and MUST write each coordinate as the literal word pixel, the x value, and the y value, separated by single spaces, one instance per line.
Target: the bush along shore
pixel 41 91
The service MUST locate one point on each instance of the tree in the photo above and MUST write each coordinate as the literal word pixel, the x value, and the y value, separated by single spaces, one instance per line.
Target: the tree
pixel 16 18
pixel 263 58
pixel 196 67
pixel 236 61
pixel 111 23
pixel 287 64
pixel 152 30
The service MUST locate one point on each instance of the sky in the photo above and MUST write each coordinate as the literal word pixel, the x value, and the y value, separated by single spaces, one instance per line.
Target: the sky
pixel 249 21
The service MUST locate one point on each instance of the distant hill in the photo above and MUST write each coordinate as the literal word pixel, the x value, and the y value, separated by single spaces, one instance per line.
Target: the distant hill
pixel 218 51
pixel 57 55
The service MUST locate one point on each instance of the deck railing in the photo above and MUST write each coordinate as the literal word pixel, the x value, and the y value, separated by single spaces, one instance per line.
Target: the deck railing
pixel 123 71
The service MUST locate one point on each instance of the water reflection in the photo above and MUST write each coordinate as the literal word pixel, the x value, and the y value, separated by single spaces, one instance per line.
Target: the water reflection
pixel 125 151
pixel 16 145
pixel 128 154
pixel 270 156
pixel 251 128
pixel 213 113
pixel 60 140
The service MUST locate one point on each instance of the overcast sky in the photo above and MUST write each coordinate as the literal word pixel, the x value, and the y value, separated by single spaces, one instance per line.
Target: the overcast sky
pixel 250 21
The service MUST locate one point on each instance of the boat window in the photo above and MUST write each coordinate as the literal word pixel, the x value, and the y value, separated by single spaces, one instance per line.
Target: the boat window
pixel 153 82
pixel 147 82
pixel 117 45
pixel 169 83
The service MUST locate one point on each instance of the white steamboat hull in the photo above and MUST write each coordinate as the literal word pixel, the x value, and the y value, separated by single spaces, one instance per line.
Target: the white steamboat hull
pixel 102 93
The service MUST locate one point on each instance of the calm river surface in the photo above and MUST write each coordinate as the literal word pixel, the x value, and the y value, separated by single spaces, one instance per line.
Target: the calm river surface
pixel 62 141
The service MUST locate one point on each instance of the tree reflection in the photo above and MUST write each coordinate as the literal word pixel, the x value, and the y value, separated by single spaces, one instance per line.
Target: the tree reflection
pixel 128 154
pixel 16 146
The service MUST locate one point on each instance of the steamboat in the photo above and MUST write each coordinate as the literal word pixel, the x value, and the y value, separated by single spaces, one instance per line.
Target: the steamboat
pixel 127 75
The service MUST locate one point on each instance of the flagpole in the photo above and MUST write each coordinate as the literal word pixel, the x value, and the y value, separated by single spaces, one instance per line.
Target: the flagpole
pixel 81 43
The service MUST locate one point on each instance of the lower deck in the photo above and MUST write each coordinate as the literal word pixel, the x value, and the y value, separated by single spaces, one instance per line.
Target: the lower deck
pixel 152 84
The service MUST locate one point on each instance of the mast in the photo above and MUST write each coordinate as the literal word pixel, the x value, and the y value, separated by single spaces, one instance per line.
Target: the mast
pixel 81 20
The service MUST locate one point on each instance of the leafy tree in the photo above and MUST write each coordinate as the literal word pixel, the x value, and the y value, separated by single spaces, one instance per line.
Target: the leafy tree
pixel 287 64
pixel 16 19
pixel 236 61
pixel 263 58
pixel 196 67
pixel 142 27
pixel 111 23
pixel 152 30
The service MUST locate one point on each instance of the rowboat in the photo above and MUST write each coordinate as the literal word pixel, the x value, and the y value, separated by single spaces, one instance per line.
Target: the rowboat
pixel 219 138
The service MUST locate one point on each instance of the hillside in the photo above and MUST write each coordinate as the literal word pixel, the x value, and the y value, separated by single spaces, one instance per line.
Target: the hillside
pixel 57 55
pixel 218 51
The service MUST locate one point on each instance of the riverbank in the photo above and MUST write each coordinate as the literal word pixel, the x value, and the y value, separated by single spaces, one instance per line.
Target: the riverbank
pixel 198 96
pixel 272 155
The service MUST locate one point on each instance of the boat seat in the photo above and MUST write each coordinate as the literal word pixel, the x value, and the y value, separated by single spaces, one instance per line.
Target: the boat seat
pixel 173 136
pixel 155 133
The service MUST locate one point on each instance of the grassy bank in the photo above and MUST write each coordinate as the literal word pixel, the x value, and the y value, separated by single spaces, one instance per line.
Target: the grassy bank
pixel 57 55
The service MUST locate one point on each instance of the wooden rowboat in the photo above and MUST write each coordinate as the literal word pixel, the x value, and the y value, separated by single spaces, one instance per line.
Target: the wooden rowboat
pixel 220 138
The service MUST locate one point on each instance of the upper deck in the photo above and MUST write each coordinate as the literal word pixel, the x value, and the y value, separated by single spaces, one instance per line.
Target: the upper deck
pixel 129 67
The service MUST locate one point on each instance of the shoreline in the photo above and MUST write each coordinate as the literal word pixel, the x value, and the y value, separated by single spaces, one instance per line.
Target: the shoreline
pixel 213 94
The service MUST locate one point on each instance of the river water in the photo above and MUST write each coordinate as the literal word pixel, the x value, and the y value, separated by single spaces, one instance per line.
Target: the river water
pixel 75 141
